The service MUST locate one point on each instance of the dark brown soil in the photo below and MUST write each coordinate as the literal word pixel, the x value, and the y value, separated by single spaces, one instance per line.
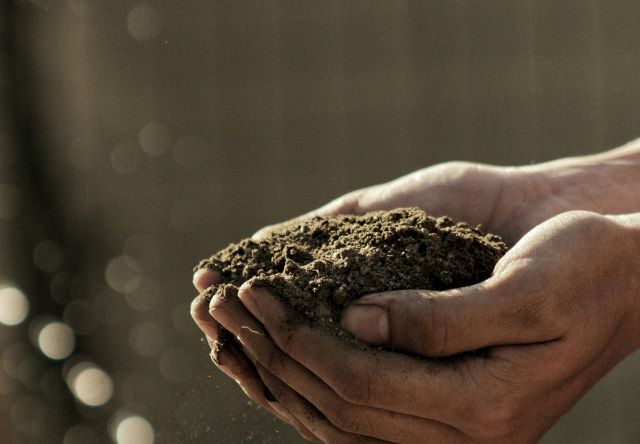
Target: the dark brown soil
pixel 318 267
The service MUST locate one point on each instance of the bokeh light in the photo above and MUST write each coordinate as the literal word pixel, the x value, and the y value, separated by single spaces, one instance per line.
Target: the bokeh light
pixel 29 415
pixel 183 322
pixel 154 139
pixel 145 249
pixel 14 306
pixel 60 287
pixel 56 340
pixel 134 430
pixel 123 274
pixel 48 256
pixel 90 385
pixel 147 296
pixel 143 22
pixel 93 387
pixel 145 338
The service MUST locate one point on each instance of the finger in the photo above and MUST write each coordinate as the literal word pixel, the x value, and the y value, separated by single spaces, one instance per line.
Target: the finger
pixel 200 314
pixel 236 365
pixel 436 324
pixel 309 416
pixel 357 419
pixel 204 278
pixel 374 378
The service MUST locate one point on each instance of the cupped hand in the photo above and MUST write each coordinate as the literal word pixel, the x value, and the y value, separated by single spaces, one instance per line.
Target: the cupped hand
pixel 560 310
pixel 507 201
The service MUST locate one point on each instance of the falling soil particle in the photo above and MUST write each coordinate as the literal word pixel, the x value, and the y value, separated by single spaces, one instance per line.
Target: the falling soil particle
pixel 319 266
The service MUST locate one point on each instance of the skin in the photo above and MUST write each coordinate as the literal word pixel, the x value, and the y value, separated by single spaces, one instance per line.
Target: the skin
pixel 561 309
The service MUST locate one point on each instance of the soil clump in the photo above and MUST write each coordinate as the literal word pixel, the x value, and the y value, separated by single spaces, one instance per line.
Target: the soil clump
pixel 318 267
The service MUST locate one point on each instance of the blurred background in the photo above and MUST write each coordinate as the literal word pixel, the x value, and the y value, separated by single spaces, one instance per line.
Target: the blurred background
pixel 137 138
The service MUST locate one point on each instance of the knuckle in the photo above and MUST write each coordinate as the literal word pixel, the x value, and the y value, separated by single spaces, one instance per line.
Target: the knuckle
pixel 435 330
pixel 347 419
pixel 353 384
pixel 273 360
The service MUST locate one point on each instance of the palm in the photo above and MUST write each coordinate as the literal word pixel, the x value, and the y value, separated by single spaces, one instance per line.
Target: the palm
pixel 504 201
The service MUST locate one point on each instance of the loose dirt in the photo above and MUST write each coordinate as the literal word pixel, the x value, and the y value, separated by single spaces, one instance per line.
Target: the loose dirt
pixel 318 267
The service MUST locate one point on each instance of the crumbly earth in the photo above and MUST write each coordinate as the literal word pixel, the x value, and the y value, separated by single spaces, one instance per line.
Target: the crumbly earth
pixel 318 267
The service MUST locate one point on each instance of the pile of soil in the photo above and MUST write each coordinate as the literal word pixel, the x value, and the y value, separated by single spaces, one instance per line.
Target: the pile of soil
pixel 318 267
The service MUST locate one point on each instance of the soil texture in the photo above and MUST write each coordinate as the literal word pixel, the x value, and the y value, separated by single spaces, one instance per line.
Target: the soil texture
pixel 318 267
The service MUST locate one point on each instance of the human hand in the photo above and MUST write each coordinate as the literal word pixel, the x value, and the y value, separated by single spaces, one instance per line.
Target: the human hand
pixel 560 310
pixel 507 201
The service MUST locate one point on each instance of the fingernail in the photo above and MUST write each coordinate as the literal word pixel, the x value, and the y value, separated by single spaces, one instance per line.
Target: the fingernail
pixel 368 323
pixel 245 296
pixel 226 320
pixel 196 279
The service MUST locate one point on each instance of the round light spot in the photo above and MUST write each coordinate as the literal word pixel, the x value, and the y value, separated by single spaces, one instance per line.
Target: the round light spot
pixel 126 158
pixel 143 22
pixel 56 340
pixel 10 201
pixel 147 296
pixel 183 322
pixel 30 371
pixel 48 256
pixel 14 306
pixel 123 274
pixel 92 386
pixel 29 414
pixel 80 434
pixel 134 430
pixel 60 288
pixel 145 249
pixel 155 139
pixel 13 356
pixel 146 339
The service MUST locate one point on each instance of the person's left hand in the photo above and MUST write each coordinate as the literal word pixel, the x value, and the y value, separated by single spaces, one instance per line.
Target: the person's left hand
pixel 560 310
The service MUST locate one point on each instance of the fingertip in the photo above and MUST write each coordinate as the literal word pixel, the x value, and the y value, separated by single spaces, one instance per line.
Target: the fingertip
pixel 368 323
pixel 205 278
pixel 202 318
pixel 254 299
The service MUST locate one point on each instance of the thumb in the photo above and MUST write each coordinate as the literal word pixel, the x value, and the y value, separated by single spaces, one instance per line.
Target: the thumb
pixel 445 323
